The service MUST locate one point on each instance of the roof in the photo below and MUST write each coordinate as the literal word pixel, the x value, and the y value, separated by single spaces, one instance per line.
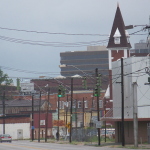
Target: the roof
pixel 118 28
pixel 21 103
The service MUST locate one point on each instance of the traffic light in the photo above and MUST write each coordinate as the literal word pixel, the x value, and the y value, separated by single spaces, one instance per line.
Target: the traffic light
pixel 59 93
pixel 98 80
pixel 84 83
pixel 96 92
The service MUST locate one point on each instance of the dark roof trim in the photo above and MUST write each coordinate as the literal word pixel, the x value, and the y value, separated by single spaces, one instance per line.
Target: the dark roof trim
pixel 118 23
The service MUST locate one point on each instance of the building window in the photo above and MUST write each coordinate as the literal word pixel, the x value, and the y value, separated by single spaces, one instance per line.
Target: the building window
pixel 86 104
pixel 62 105
pixel 79 104
pixel 69 104
pixel 117 36
pixel 117 40
pixel 81 124
pixel 93 103
pixel 74 103
pixel 100 104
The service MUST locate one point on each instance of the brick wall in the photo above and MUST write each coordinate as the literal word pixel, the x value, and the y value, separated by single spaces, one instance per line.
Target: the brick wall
pixel 129 132
pixel 15 120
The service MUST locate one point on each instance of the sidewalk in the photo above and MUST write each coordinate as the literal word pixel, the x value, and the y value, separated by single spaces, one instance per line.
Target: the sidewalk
pixel 103 144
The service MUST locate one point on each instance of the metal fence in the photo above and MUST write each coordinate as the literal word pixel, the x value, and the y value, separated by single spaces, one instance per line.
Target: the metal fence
pixel 83 135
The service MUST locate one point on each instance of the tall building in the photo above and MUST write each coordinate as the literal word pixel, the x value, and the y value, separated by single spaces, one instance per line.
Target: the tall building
pixel 85 62
pixel 142 47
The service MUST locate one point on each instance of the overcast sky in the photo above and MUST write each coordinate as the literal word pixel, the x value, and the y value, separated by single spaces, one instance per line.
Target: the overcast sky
pixel 88 21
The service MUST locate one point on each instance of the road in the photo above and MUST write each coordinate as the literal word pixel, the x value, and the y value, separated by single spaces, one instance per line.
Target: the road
pixel 27 145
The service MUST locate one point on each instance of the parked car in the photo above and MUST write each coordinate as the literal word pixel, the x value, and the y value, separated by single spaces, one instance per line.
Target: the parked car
pixel 5 138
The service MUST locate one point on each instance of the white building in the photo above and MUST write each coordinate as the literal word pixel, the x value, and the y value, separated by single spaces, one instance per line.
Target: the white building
pixel 136 72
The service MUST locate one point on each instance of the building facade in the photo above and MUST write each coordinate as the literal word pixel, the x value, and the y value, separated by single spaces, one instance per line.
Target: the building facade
pixel 136 97
pixel 142 47
pixel 85 61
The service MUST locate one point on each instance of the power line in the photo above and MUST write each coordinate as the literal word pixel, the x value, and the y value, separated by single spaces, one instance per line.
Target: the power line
pixel 54 44
pixel 61 33
pixel 55 33
pixel 25 71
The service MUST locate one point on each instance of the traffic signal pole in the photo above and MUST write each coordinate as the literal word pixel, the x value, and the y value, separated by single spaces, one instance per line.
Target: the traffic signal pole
pixel 70 140
pixel 32 129
pixel 4 112
pixel 58 119
pixel 39 118
pixel 46 116
pixel 98 116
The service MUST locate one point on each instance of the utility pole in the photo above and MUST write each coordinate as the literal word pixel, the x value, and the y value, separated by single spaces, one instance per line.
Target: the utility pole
pixel 4 112
pixel 83 112
pixel 46 116
pixel 98 116
pixel 122 105
pixel 32 117
pixel 70 140
pixel 135 119
pixel 105 116
pixel 39 117
pixel 76 117
pixel 66 113
pixel 58 120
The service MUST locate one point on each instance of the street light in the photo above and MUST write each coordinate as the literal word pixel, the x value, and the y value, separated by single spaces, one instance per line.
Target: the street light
pixel 64 65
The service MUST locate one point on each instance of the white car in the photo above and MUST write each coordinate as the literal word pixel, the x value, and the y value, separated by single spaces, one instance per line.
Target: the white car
pixel 5 138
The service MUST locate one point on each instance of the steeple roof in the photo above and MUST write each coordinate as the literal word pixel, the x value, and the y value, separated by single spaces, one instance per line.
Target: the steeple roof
pixel 118 27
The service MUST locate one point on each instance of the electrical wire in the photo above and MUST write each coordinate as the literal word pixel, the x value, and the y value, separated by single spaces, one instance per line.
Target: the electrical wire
pixel 60 33
pixel 55 33
pixel 132 62
pixel 25 71
pixel 54 44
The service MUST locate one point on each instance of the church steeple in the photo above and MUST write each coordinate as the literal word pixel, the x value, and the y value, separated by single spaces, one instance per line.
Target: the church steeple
pixel 118 26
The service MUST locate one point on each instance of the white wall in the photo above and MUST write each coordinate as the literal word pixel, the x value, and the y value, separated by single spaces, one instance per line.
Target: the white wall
pixel 134 71
pixel 12 129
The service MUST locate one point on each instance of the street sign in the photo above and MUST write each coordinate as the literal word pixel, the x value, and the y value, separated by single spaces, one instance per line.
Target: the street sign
pixel 98 124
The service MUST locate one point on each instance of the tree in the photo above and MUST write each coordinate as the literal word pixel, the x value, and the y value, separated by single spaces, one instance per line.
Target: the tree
pixel 4 79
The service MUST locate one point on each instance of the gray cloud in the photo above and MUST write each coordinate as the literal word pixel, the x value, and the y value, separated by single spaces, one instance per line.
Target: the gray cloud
pixel 64 16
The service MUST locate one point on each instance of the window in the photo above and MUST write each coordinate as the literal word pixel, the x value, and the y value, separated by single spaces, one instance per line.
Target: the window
pixel 74 103
pixel 62 104
pixel 79 104
pixel 69 104
pixel 93 103
pixel 86 104
pixel 117 36
pixel 66 104
pixel 81 124
pixel 100 104
pixel 117 40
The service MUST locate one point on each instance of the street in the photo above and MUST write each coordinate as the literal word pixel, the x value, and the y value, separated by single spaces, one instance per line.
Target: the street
pixel 27 145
